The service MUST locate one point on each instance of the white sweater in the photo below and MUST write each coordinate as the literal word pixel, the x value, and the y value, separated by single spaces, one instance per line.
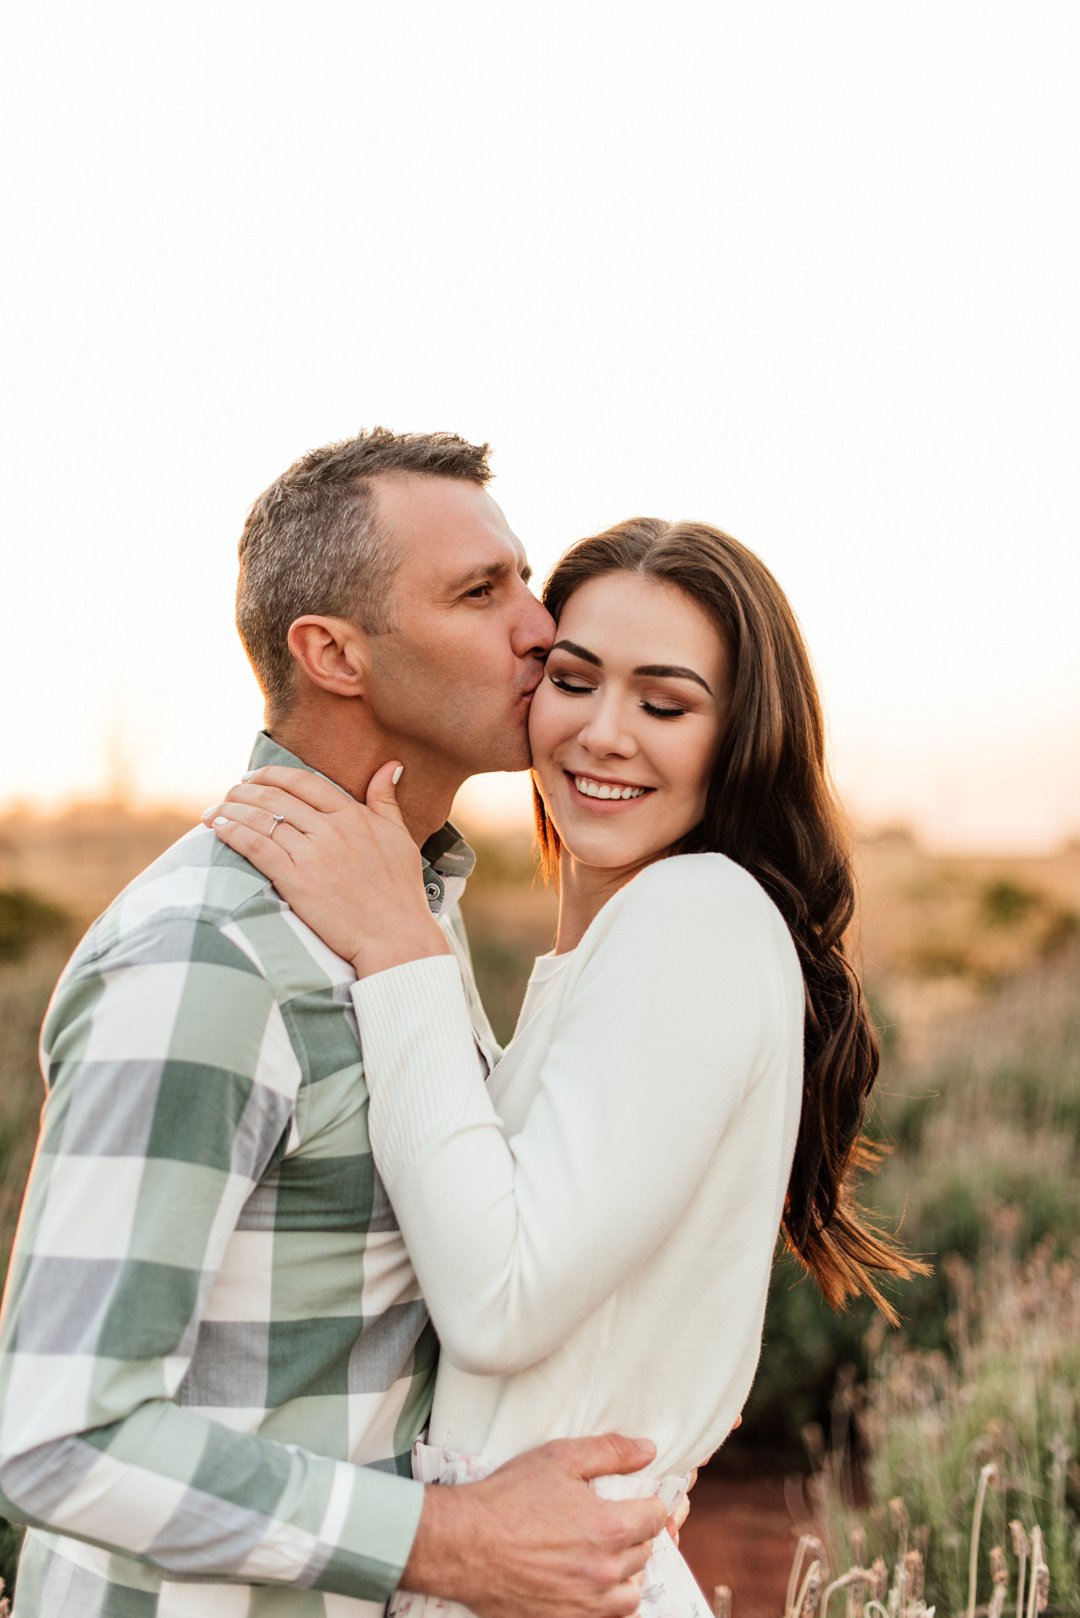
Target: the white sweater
pixel 593 1230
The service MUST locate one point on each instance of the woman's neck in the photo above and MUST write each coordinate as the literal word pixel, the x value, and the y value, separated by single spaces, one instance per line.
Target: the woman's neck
pixel 584 890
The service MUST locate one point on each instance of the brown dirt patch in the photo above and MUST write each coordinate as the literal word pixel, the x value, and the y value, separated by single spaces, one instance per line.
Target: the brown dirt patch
pixel 743 1533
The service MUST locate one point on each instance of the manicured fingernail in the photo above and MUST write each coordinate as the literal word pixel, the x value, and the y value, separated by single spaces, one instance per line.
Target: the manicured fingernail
pixel 207 811
pixel 221 821
pixel 247 776
pixel 396 777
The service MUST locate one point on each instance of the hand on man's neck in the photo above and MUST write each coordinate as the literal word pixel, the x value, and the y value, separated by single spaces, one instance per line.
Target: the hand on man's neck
pixel 349 757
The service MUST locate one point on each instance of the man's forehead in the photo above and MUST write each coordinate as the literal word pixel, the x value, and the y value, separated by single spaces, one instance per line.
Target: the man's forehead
pixel 449 524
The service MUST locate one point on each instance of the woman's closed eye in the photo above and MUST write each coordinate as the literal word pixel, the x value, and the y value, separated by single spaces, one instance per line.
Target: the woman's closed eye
pixel 575 685
pixel 662 710
pixel 570 683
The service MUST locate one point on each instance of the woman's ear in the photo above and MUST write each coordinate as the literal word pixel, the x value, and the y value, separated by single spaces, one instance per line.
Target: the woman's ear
pixel 332 653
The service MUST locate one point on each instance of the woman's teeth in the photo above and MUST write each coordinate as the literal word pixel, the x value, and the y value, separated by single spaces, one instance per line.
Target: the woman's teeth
pixel 603 789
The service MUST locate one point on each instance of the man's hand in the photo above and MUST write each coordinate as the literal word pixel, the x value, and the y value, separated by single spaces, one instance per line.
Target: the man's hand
pixel 534 1541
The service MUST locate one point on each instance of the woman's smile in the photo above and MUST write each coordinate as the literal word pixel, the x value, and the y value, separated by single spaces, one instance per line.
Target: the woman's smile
pixel 609 793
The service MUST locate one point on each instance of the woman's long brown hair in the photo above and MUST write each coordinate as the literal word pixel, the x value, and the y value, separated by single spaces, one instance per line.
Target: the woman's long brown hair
pixel 770 807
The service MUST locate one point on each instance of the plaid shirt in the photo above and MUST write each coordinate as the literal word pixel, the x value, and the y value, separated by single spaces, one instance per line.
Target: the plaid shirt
pixel 214 1357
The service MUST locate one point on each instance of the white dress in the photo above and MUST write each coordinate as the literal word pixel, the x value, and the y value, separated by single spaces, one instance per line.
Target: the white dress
pixel 593 1229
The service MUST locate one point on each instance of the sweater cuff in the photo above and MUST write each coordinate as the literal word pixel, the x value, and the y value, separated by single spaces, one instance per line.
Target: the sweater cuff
pixel 421 1061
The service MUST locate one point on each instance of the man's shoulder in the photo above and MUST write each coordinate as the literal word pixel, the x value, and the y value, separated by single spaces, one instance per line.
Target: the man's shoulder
pixel 198 886
pixel 203 903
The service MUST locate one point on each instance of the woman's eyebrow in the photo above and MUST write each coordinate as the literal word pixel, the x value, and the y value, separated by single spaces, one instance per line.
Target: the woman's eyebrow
pixel 669 671
pixel 577 651
pixel 661 671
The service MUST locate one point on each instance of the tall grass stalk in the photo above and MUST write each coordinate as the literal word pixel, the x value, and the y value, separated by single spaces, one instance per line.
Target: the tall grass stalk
pixel 905 1598
pixel 988 1476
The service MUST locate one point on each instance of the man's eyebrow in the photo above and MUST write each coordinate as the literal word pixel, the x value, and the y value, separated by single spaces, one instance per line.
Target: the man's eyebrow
pixel 660 671
pixel 489 570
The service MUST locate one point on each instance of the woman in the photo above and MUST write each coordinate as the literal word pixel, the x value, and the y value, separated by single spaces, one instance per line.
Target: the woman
pixel 593 1228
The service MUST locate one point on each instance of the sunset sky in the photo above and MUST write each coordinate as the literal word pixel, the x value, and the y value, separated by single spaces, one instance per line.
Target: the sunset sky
pixel 805 271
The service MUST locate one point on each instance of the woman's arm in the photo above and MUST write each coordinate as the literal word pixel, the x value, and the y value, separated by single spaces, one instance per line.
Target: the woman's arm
pixel 515 1241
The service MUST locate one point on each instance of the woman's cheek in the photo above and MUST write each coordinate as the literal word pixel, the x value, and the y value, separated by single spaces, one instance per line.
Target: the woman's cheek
pixel 540 721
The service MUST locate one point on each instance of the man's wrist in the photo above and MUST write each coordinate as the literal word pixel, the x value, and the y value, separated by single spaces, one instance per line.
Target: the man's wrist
pixel 447 1544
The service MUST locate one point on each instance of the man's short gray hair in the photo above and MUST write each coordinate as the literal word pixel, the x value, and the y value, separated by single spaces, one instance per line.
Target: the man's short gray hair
pixel 312 543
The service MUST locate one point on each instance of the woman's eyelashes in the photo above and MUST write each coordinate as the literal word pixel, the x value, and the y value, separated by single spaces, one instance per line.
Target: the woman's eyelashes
pixel 658 712
pixel 574 686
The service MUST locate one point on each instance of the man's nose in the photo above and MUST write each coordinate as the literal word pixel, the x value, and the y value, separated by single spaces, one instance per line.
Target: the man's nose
pixel 534 631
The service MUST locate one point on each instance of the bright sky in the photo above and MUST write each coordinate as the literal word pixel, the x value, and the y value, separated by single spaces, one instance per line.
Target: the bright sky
pixel 807 272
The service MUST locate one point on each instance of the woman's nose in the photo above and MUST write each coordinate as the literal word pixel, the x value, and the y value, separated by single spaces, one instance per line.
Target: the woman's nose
pixel 606 730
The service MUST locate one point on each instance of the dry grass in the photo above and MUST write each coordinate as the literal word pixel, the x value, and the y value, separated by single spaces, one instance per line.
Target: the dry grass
pixel 83 857
pixel 925 918
pixel 976 1439
pixel 870 1589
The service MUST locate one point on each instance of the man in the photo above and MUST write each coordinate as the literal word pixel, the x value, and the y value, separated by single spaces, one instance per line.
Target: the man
pixel 214 1355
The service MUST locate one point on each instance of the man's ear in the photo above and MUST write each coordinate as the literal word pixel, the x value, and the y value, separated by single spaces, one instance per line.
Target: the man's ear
pixel 332 653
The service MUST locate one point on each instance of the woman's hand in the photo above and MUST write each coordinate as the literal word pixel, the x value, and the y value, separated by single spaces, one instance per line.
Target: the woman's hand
pixel 349 870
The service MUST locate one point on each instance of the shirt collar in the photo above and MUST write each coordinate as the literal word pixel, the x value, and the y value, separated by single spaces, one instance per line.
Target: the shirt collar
pixel 446 857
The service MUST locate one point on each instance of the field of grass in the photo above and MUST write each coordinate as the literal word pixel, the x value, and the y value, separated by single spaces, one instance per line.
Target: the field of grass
pixel 974 967
pixel 983 1379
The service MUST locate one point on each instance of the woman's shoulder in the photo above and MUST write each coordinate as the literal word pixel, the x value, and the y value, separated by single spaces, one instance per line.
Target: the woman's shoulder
pixel 696 896
pixel 694 933
pixel 701 880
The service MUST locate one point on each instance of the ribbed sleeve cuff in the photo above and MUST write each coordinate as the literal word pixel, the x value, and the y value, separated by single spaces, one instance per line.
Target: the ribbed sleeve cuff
pixel 420 1060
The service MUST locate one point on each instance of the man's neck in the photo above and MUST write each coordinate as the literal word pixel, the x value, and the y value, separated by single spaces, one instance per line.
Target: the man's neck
pixel 424 794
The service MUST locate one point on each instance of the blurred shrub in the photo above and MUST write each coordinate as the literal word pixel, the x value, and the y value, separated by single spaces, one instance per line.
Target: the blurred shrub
pixel 804 1346
pixel 885 1023
pixel 502 966
pixel 1061 929
pixel 25 918
pixel 1003 902
pixel 936 959
pixel 10 1541
pixel 25 987
pixel 982 931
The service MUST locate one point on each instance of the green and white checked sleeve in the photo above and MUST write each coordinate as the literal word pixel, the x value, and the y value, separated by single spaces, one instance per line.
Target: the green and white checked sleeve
pixel 172 1086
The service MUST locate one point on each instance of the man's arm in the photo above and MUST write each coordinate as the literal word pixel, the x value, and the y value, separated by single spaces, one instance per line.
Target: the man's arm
pixel 172 1081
